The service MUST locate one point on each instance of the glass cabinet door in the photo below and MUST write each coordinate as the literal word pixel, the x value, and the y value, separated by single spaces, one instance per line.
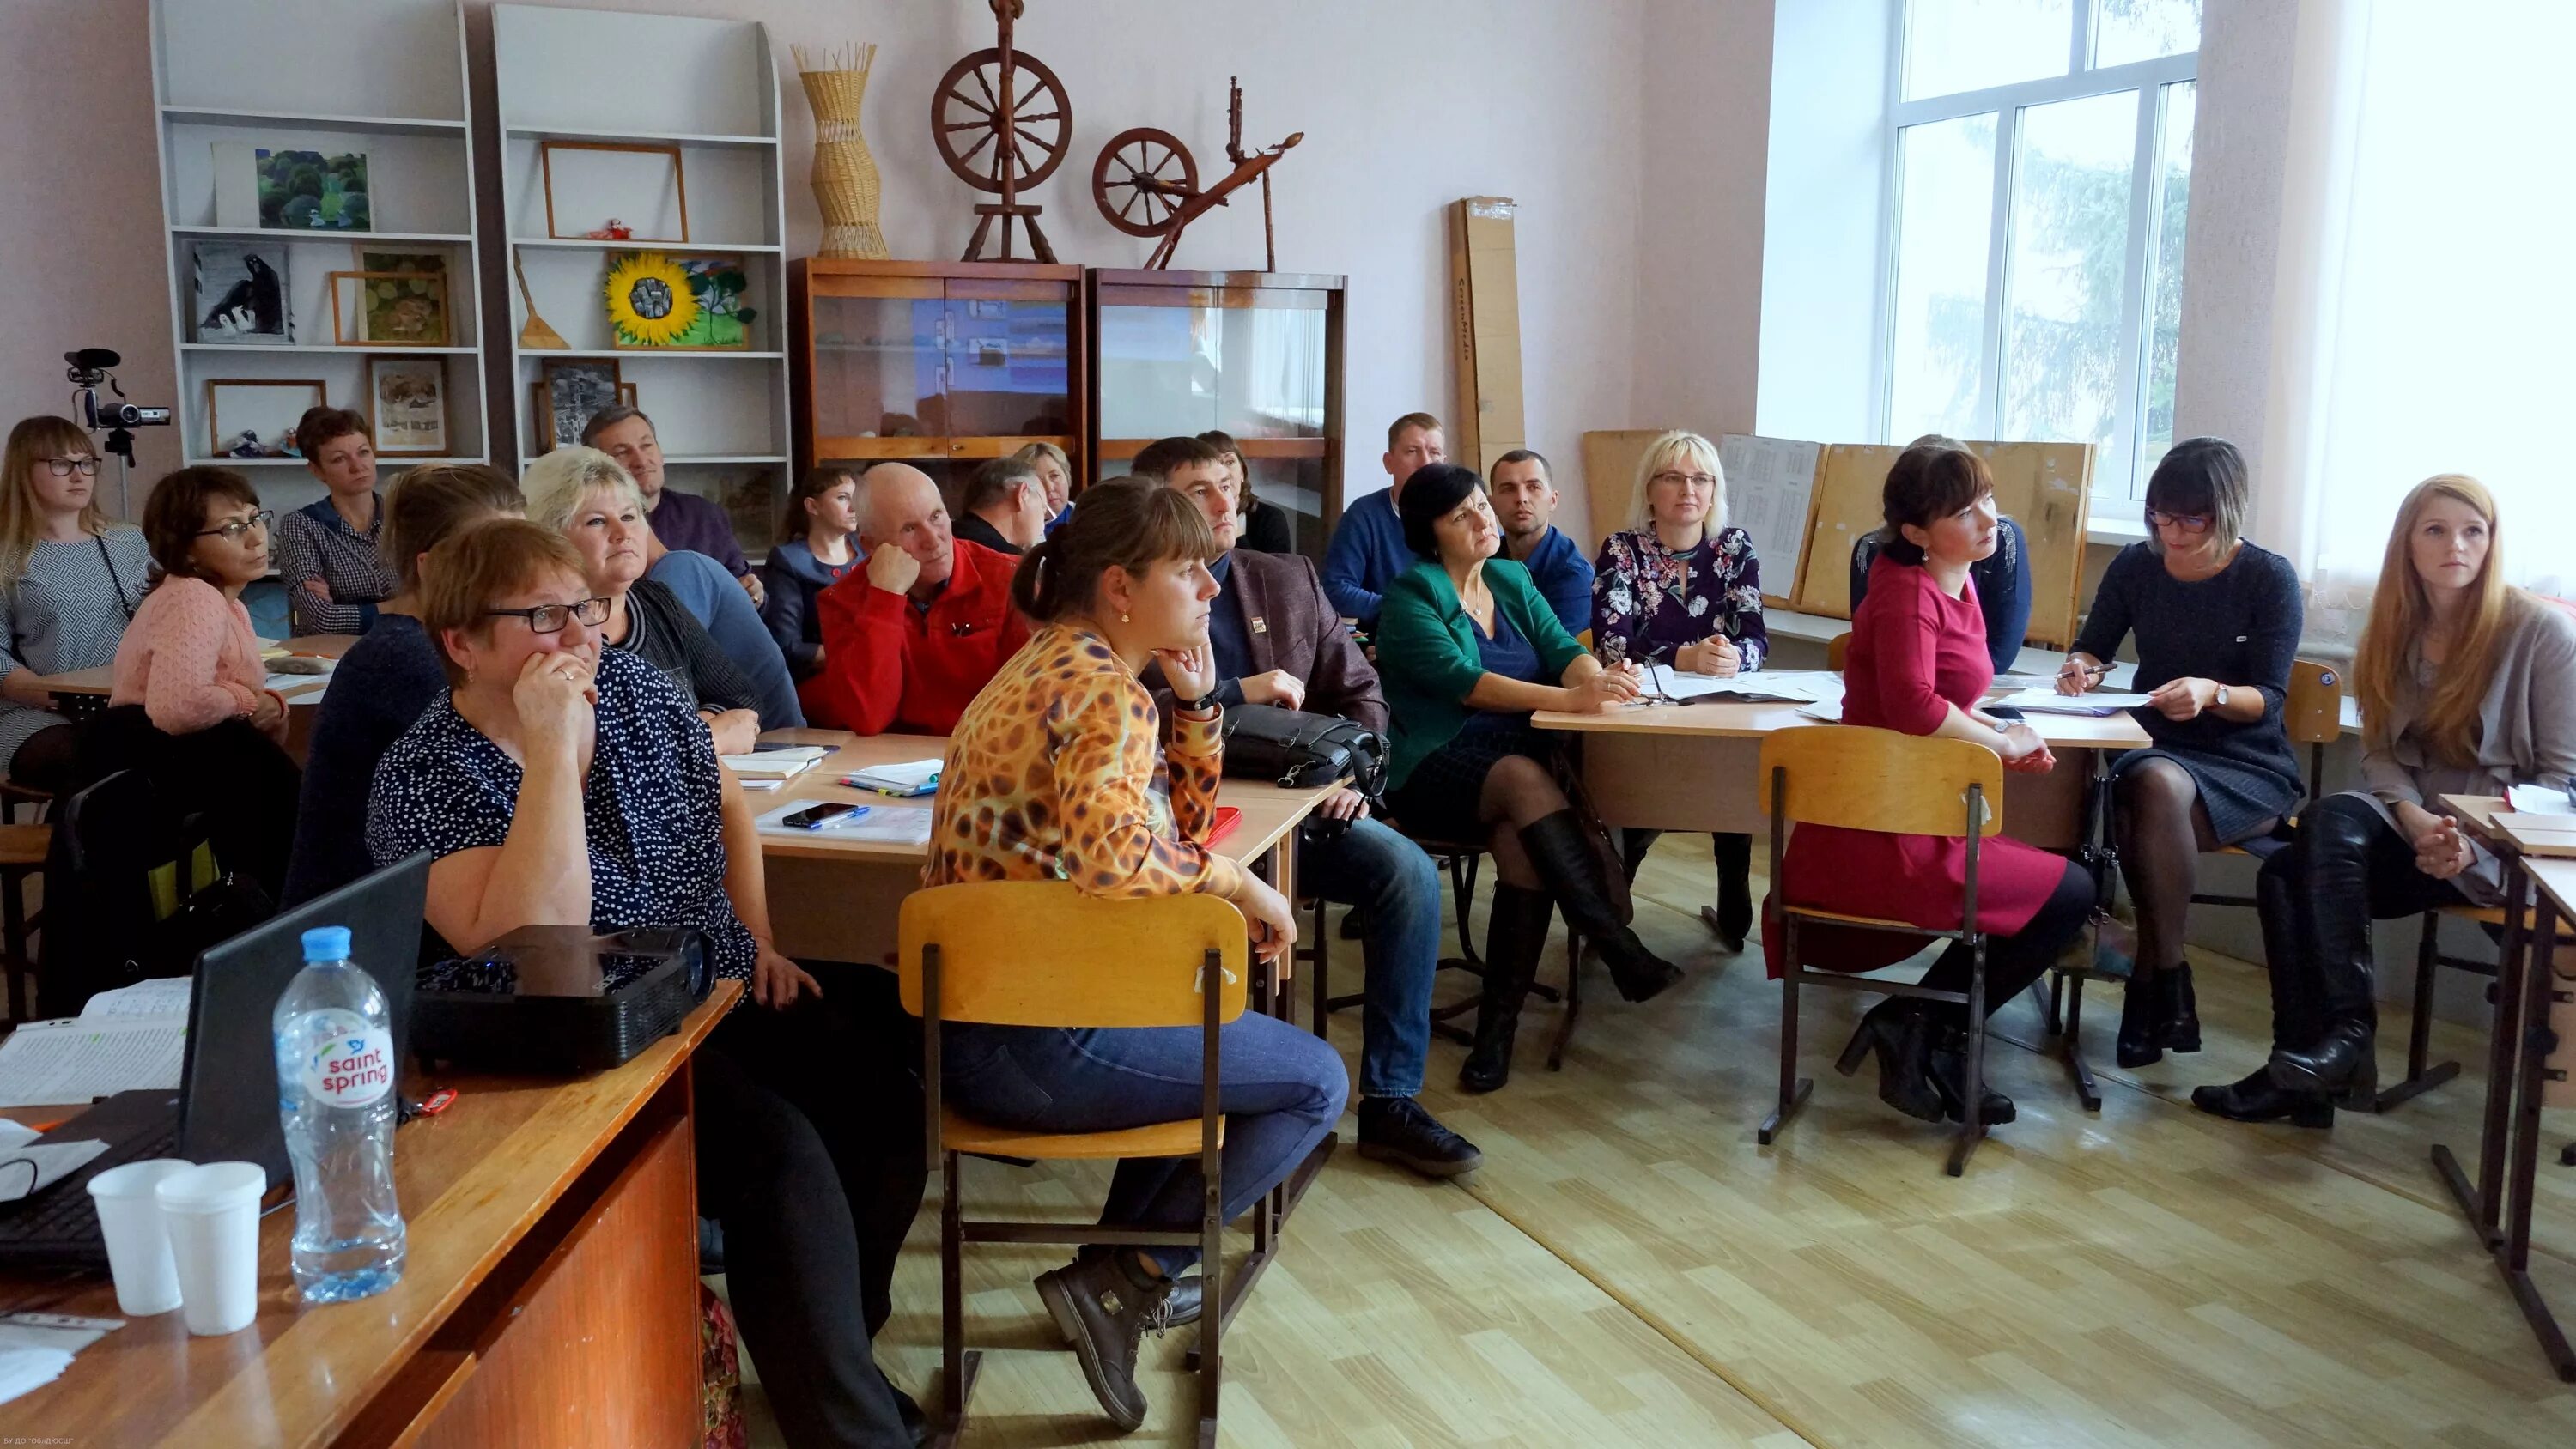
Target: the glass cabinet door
pixel 880 362
pixel 1249 361
pixel 1009 362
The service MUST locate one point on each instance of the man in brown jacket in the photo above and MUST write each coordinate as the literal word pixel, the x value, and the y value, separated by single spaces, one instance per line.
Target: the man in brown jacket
pixel 1278 640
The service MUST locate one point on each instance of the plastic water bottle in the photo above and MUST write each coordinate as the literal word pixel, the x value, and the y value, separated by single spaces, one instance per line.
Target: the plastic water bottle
pixel 335 1090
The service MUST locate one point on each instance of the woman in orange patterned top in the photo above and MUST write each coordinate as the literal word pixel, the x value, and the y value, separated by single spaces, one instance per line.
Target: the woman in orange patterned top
pixel 1055 773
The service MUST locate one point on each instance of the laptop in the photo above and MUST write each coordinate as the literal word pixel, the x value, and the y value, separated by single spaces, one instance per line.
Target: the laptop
pixel 226 1108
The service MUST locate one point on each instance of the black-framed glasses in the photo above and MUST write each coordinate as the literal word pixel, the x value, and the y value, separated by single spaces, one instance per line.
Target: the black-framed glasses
pixel 551 618
pixel 1698 480
pixel 2187 522
pixel 66 467
pixel 232 532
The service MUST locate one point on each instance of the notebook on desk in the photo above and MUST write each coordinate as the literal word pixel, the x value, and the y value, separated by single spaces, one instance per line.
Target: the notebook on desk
pixel 225 1109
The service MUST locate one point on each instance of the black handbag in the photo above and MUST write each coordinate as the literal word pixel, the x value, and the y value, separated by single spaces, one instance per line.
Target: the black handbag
pixel 1297 750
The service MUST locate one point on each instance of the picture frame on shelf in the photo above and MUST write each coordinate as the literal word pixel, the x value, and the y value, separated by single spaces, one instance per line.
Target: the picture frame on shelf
pixel 611 169
pixel 678 302
pixel 407 406
pixel 241 294
pixel 255 417
pixel 561 428
pixel 576 388
pixel 311 191
pixel 389 309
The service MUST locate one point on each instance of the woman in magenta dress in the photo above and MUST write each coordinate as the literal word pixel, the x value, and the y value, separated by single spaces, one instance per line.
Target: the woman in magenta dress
pixel 1918 663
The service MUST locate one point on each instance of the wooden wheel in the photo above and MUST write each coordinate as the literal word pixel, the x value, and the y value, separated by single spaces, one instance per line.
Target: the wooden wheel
pixel 973 136
pixel 1142 178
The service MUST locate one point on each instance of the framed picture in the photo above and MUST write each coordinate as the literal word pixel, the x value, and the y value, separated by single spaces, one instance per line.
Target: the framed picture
pixel 407 405
pixel 678 302
pixel 605 182
pixel 551 422
pixel 255 417
pixel 239 293
pixel 398 309
pixel 575 389
pixel 309 191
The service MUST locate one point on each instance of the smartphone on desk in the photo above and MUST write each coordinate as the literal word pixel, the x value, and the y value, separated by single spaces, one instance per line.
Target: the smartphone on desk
pixel 825 816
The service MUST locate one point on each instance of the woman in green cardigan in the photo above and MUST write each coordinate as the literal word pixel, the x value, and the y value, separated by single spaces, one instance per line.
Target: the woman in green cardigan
pixel 1465 645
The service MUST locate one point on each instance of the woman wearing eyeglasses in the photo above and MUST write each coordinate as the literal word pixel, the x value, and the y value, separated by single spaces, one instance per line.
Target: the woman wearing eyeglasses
pixel 560 782
pixel 2217 624
pixel 1680 588
pixel 588 497
pixel 69 582
pixel 190 705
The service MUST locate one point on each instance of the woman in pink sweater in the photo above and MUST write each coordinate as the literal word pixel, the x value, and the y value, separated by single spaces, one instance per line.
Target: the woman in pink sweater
pixel 189 706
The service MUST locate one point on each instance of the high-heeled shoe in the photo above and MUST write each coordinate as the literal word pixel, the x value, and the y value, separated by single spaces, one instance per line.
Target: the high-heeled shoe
pixel 1948 1070
pixel 2256 1099
pixel 2177 1011
pixel 1515 935
pixel 1896 1030
pixel 1560 846
pixel 2343 1066
pixel 2141 1041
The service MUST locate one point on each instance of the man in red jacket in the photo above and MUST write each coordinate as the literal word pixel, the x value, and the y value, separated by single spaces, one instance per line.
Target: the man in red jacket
pixel 911 639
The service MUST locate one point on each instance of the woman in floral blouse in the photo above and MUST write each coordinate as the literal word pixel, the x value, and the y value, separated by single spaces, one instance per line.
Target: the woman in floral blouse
pixel 1681 588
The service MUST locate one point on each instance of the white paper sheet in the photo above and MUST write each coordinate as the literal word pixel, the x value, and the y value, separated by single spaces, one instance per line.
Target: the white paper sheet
pixel 52 1162
pixel 23 1370
pixel 1663 682
pixel 2049 701
pixel 1770 484
pixel 766 765
pixel 160 996
pixel 902 775
pixel 883 824
pixel 2539 800
pixel 49 1062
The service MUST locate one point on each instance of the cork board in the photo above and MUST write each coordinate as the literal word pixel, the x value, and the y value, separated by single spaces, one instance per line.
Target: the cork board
pixel 2046 487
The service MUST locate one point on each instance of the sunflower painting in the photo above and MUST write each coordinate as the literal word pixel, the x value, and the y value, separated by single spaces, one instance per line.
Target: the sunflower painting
pixel 656 300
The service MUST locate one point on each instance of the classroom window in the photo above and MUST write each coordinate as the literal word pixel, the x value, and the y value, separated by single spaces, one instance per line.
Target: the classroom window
pixel 2041 156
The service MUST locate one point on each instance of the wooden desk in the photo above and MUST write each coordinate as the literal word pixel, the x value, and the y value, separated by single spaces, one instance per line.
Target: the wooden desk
pixel 550 1297
pixel 2518 1066
pixel 80 685
pixel 1696 767
pixel 835 899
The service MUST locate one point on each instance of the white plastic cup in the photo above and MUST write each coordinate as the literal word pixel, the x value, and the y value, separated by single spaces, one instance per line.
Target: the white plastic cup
pixel 211 1214
pixel 138 1247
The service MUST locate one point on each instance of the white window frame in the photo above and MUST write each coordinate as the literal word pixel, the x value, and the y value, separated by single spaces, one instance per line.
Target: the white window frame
pixel 2119 483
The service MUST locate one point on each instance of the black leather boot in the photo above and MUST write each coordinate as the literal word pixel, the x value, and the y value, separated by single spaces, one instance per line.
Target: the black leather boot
pixel 2332 891
pixel 1949 1071
pixel 1896 1030
pixel 1562 850
pixel 2178 1010
pixel 2141 1041
pixel 1734 890
pixel 1515 935
pixel 2294 1014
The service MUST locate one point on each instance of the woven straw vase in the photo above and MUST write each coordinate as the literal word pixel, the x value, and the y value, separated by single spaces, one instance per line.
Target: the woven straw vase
pixel 845 175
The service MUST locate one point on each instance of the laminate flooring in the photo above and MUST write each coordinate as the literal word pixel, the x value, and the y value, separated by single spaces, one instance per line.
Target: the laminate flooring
pixel 1629 1268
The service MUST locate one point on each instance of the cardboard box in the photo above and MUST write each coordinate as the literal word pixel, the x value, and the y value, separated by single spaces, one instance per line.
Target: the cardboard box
pixel 1484 275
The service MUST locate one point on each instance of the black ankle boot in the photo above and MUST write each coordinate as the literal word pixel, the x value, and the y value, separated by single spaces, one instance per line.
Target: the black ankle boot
pixel 1562 850
pixel 1515 935
pixel 2142 1037
pixel 1734 891
pixel 2177 1011
pixel 1949 1072
pixel 2256 1099
pixel 2343 1066
pixel 1896 1030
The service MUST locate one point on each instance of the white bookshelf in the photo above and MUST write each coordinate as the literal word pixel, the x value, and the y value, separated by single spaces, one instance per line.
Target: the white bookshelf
pixel 710 88
pixel 386 78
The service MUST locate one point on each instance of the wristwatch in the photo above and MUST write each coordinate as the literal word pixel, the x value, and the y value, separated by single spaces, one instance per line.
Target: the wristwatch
pixel 1207 703
pixel 2219 700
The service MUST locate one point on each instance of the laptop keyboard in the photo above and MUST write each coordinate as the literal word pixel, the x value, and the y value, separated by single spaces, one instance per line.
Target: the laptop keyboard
pixel 63 1214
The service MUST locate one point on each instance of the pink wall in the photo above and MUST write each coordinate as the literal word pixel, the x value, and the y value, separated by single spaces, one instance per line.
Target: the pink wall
pixel 1405 108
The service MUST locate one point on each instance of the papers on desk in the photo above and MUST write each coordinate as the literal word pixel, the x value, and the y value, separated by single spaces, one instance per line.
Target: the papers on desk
pixel 883 825
pixel 900 779
pixel 2539 800
pixel 772 765
pixel 35 1348
pixel 1781 686
pixel 131 1039
pixel 2100 704
pixel 25 1169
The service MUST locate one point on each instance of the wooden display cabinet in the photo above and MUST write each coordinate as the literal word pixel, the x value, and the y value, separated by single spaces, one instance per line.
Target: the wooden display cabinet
pixel 938 364
pixel 1258 354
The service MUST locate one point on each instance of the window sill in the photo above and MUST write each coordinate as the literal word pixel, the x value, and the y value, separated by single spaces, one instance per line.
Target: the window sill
pixel 2118 533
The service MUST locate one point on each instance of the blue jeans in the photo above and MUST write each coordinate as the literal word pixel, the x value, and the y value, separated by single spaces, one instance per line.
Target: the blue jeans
pixel 1282 1089
pixel 1372 866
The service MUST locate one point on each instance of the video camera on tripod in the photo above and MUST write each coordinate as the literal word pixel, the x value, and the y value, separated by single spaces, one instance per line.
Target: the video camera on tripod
pixel 91 367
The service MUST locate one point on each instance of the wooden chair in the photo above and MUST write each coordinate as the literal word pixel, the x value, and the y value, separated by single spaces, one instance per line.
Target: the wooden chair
pixel 1838 651
pixel 964 956
pixel 1874 779
pixel 2313 715
pixel 23 849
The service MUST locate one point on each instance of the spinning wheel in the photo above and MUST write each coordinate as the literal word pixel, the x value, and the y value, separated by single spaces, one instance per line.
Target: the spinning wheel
pixel 1142 179
pixel 980 135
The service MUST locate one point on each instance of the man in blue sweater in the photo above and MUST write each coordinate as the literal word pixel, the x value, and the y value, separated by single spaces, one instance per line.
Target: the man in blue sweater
pixel 1368 544
pixel 1525 505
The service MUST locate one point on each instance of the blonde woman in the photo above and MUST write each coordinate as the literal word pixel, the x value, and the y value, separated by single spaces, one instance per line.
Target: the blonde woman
pixel 69 584
pixel 1680 588
pixel 1055 470
pixel 2467 685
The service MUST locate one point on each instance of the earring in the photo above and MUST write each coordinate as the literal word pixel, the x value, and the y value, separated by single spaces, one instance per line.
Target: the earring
pixel 1123 619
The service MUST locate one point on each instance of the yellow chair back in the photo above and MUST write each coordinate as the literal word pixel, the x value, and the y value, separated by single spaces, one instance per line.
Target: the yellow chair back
pixel 1838 649
pixel 1861 778
pixel 1041 953
pixel 2313 712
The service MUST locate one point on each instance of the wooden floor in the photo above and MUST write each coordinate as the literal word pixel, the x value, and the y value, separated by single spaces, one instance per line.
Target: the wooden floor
pixel 1629 1268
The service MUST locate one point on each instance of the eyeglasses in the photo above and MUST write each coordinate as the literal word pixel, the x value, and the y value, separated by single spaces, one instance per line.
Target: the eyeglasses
pixel 232 532
pixel 66 467
pixel 551 618
pixel 1695 480
pixel 2187 522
